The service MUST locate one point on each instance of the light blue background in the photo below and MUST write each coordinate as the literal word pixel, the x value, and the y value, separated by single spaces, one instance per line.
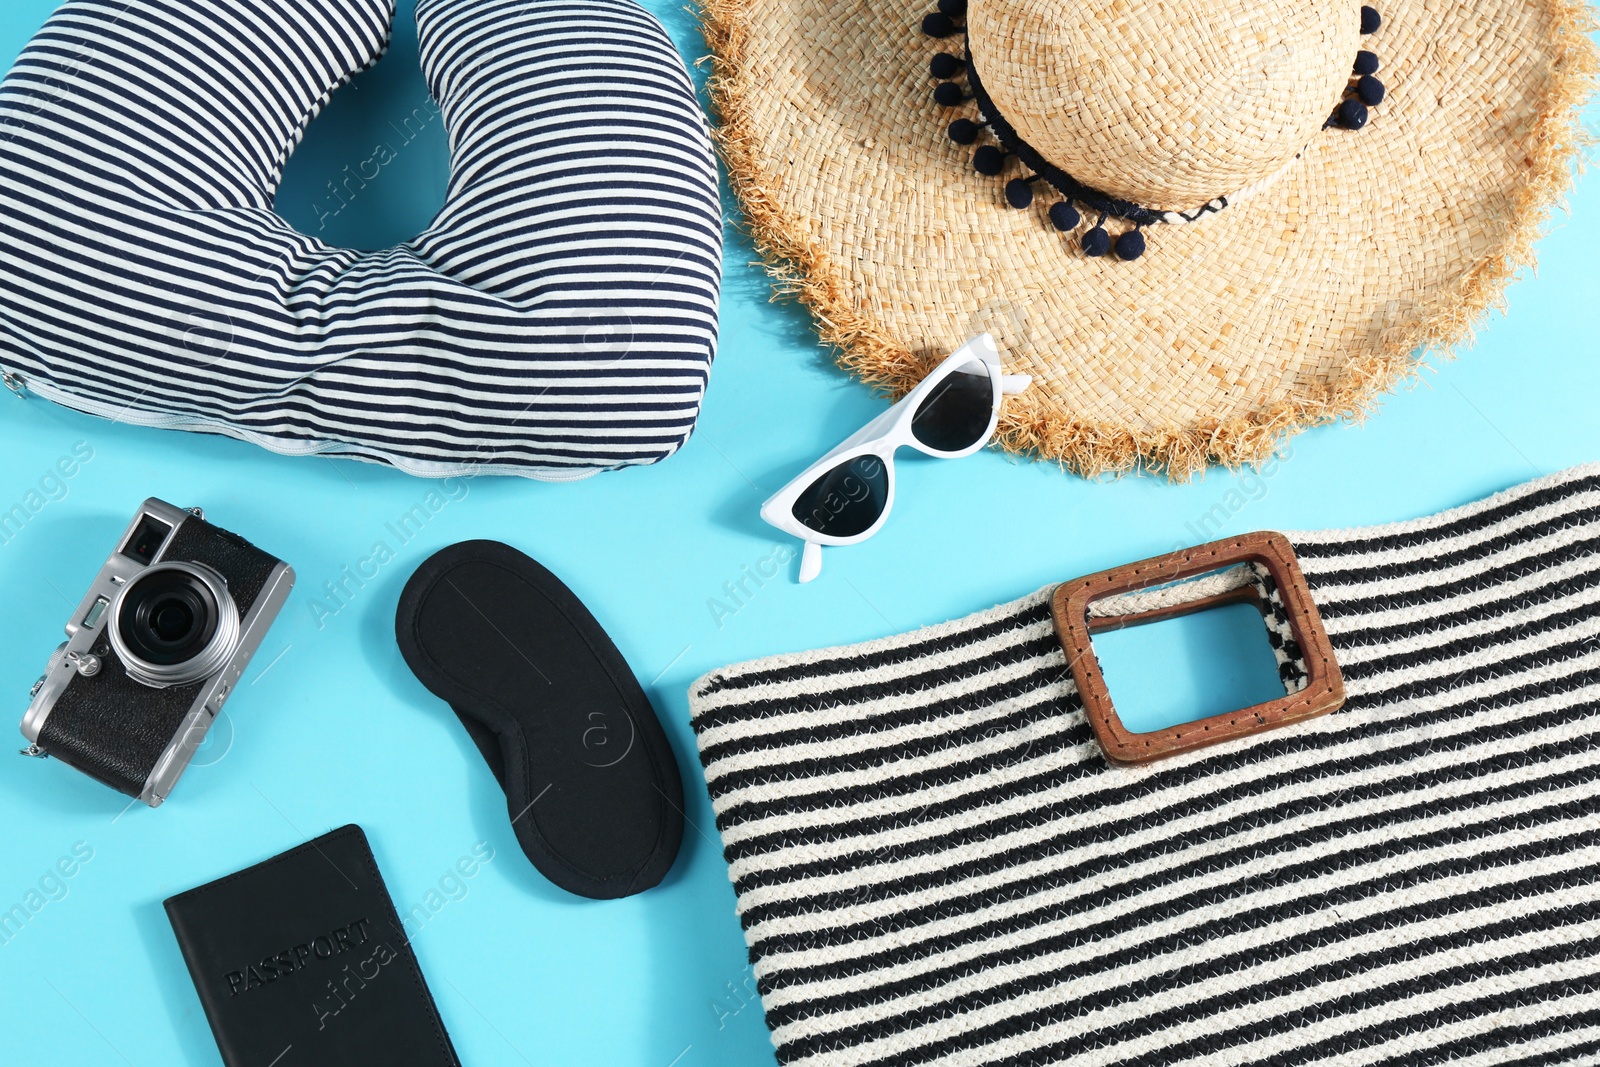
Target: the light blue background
pixel 331 728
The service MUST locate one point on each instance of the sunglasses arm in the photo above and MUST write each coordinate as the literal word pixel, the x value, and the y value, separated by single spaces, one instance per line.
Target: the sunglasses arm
pixel 1015 383
pixel 810 561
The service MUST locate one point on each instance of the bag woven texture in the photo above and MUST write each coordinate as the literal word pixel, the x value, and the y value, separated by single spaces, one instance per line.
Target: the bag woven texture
pixel 935 864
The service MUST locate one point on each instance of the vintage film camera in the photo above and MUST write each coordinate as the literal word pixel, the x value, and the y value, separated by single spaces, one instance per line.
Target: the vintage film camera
pixel 154 649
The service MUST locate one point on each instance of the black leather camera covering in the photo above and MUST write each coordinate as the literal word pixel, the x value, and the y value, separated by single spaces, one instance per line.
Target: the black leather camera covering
pixel 302 960
pixel 111 727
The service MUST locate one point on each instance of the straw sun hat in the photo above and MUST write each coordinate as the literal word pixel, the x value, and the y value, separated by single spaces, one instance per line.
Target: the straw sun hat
pixel 1200 227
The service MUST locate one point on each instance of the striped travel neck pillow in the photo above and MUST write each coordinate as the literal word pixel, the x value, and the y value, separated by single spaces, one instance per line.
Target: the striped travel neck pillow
pixel 935 864
pixel 558 317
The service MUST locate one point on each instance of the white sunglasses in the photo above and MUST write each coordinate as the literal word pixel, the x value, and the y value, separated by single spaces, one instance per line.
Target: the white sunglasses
pixel 844 497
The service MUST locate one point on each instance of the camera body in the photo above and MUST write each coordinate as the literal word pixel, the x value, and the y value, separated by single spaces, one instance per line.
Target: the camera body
pixel 155 648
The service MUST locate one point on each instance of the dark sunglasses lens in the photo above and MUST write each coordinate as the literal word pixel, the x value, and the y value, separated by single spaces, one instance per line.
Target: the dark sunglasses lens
pixel 846 500
pixel 955 413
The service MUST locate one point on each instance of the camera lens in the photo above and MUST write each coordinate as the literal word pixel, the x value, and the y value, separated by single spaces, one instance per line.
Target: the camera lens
pixel 167 617
pixel 174 623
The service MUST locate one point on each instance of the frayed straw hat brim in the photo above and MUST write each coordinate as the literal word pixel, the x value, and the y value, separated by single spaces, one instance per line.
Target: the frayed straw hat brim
pixel 1298 306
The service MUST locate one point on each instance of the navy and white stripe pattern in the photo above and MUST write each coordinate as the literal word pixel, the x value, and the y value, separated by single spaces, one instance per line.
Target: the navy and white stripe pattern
pixel 559 317
pixel 935 865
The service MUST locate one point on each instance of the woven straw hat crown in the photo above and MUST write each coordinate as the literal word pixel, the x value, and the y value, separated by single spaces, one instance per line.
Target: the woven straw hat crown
pixel 1165 103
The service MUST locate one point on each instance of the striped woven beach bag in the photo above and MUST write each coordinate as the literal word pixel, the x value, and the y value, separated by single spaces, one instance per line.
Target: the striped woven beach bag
pixel 947 849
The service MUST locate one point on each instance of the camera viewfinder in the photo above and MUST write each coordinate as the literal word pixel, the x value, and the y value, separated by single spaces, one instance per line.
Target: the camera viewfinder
pixel 147 539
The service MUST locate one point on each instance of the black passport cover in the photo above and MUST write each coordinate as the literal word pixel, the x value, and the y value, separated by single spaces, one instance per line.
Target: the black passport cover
pixel 300 961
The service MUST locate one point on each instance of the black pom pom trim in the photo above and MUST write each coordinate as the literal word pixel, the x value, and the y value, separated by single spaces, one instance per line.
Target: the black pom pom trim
pixel 954 8
pixel 1063 183
pixel 1063 216
pixel 937 24
pixel 988 160
pixel 1352 114
pixel 1370 19
pixel 944 65
pixel 1363 92
pixel 964 131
